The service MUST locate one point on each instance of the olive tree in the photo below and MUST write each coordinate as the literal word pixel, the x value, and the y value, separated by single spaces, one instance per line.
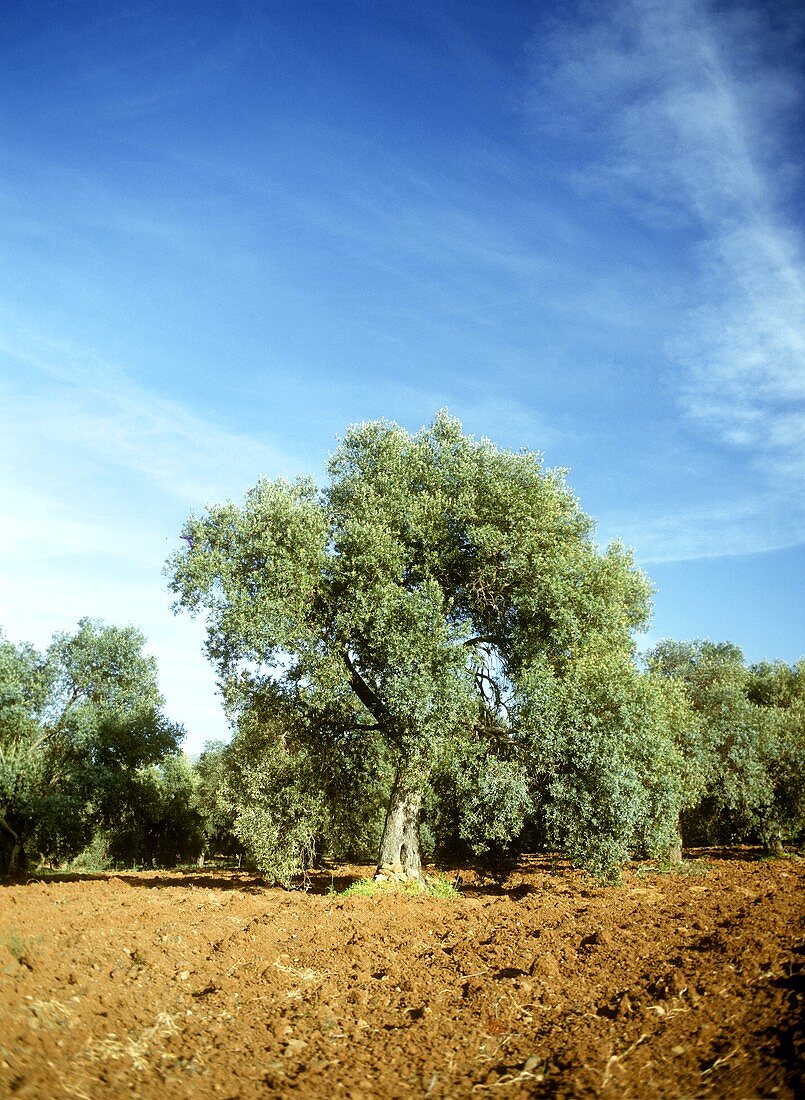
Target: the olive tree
pixel 158 821
pixel 779 689
pixel 603 739
pixel 747 742
pixel 415 607
pixel 217 814
pixel 75 721
pixel 24 689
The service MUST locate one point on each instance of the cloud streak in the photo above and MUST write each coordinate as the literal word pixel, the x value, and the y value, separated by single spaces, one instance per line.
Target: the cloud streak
pixel 97 474
pixel 693 115
pixel 64 399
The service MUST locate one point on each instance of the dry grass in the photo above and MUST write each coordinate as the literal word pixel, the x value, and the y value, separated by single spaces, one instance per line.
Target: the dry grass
pixel 141 1051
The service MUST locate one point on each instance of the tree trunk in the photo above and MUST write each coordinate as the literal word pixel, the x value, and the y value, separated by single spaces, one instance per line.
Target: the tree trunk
pixel 12 851
pixel 675 847
pixel 400 856
pixel 771 836
pixel 13 862
pixel 773 844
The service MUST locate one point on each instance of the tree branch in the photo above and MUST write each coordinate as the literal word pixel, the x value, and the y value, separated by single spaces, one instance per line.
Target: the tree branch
pixel 490 639
pixel 45 736
pixel 482 678
pixel 75 695
pixel 361 688
pixel 5 825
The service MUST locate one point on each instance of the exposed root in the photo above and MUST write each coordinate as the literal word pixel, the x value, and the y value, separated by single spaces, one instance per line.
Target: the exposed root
pixel 616 1059
pixel 720 1061
pixel 509 1079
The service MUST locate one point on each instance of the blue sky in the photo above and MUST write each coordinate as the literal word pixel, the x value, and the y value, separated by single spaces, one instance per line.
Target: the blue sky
pixel 229 230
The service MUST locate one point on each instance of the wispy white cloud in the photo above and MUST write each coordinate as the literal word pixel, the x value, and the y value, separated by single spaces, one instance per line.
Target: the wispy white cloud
pixel 684 120
pixel 97 474
pixel 745 349
pixel 706 530
pixel 69 399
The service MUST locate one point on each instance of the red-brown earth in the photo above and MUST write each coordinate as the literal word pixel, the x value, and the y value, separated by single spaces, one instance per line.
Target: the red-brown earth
pixel 538 983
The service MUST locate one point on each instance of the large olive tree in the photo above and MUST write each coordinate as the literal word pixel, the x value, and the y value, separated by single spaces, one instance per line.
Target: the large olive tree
pixel 425 602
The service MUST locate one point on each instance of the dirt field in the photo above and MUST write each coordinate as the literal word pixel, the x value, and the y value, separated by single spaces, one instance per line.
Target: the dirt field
pixel 542 984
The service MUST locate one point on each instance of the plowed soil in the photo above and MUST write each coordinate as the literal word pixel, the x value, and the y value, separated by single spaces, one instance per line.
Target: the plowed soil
pixel 541 983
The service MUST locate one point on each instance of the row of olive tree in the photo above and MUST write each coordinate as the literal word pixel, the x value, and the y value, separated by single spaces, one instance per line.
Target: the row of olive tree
pixel 733 771
pixel 430 650
pixel 169 814
pixel 90 768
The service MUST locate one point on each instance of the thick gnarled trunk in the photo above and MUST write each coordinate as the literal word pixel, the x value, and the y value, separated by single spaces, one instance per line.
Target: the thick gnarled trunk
pixel 674 851
pixel 771 837
pixel 400 857
pixel 12 851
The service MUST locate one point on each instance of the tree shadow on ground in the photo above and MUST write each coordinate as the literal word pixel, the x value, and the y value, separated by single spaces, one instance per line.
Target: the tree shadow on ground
pixel 477 879
pixel 243 881
pixel 742 853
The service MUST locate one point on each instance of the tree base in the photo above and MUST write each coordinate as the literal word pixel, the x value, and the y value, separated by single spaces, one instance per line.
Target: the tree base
pixel 400 859
pixel 674 855
pixel 395 872
pixel 13 861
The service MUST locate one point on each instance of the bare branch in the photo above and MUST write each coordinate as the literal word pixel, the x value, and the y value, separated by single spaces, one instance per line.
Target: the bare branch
pixel 488 639
pixel 361 688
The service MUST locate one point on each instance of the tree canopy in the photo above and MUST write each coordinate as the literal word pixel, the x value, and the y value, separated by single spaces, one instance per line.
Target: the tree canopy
pixel 75 724
pixel 748 743
pixel 421 609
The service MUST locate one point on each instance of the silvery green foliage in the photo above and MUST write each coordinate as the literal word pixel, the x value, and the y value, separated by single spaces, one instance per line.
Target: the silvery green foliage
pixel 602 741
pixel 780 689
pixel 748 743
pixel 74 721
pixel 397 617
pixel 291 792
pixel 479 798
pixel 277 806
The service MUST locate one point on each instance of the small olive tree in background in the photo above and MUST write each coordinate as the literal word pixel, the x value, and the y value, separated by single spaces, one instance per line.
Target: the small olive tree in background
pixel 158 823
pixel 747 745
pixel 76 723
pixel 779 688
pixel 603 742
pixel 217 814
pixel 440 602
